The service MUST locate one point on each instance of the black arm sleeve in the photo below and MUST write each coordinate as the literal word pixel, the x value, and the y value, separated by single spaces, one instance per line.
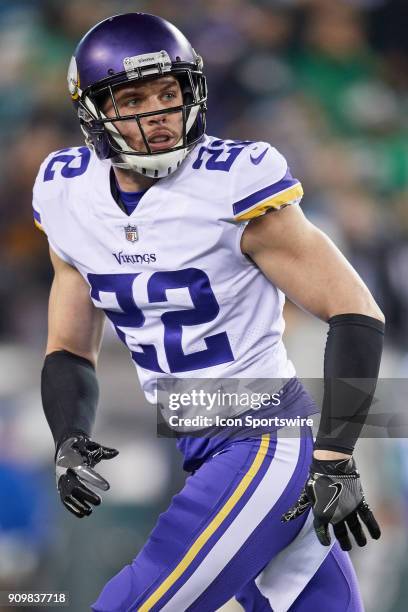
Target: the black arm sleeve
pixel 351 365
pixel 70 392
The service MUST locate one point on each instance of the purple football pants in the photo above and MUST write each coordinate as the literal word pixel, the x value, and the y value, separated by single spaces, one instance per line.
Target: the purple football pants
pixel 223 529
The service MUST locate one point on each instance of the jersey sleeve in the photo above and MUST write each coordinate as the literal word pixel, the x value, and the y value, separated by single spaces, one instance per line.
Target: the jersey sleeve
pixel 44 197
pixel 263 182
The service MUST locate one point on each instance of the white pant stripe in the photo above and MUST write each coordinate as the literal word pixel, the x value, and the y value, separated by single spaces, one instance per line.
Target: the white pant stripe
pixel 285 577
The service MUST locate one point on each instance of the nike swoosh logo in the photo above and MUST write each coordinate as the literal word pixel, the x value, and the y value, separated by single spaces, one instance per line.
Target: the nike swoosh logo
pixel 339 487
pixel 257 159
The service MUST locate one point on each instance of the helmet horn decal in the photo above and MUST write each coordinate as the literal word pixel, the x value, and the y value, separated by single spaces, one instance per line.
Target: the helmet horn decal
pixel 73 79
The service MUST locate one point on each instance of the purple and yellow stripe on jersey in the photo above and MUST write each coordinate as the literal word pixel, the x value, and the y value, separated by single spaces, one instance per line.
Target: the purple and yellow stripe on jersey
pixel 37 220
pixel 281 193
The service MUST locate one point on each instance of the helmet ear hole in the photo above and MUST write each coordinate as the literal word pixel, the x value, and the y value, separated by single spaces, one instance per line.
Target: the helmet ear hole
pixel 188 96
pixel 186 86
pixel 101 99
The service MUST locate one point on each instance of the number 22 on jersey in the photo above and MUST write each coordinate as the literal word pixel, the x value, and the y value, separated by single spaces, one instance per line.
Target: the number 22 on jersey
pixel 205 309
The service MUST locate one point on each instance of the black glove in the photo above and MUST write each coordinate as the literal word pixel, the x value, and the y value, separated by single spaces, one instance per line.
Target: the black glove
pixel 333 491
pixel 73 466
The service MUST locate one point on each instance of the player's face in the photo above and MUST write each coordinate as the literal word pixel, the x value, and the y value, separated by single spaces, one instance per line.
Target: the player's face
pixel 161 131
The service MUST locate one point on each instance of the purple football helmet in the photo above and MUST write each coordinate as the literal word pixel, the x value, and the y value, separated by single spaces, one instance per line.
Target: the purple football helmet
pixel 128 48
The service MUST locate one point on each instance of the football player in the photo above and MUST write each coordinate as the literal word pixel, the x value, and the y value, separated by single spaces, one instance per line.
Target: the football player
pixel 188 243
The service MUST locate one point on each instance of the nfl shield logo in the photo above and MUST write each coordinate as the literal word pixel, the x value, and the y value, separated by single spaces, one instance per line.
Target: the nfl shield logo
pixel 131 233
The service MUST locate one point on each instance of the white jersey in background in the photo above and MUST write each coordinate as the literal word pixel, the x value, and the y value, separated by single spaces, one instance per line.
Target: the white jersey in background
pixel 171 276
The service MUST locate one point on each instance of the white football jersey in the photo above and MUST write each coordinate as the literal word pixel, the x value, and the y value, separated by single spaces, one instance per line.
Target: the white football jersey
pixel 171 276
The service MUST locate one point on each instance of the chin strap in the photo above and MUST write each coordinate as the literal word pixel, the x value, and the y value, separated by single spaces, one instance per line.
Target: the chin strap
pixel 153 166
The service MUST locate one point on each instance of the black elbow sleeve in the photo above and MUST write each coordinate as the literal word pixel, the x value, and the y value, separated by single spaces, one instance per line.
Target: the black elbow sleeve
pixel 351 365
pixel 69 392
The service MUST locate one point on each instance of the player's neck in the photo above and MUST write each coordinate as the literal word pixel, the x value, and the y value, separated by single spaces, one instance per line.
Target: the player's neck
pixel 129 180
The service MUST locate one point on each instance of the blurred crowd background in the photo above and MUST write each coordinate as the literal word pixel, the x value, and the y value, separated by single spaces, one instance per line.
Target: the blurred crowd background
pixel 327 84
